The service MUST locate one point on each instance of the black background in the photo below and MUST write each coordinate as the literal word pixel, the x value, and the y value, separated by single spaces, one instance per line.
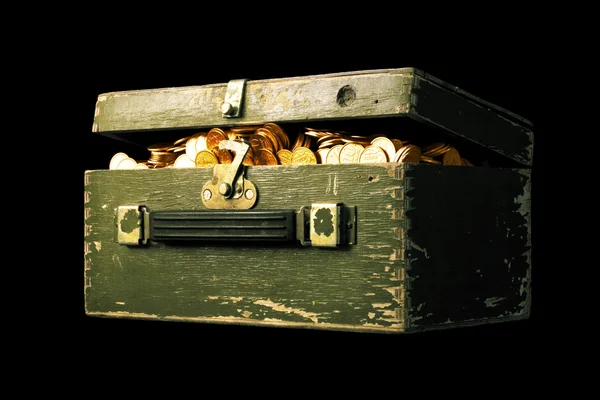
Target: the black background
pixel 510 79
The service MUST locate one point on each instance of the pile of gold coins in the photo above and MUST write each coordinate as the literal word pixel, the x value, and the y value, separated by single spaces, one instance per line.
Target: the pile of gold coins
pixel 270 145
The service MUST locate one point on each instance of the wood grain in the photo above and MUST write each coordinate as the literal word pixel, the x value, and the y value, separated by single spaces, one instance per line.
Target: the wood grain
pixel 353 288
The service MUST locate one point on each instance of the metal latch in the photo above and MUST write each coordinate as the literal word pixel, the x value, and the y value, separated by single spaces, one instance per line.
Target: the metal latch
pixel 319 225
pixel 232 105
pixel 228 189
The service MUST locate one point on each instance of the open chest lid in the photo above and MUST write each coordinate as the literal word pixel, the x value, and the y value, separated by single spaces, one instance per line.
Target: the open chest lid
pixel 403 92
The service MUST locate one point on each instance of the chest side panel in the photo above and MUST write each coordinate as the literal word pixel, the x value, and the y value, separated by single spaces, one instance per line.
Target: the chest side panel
pixel 468 245
pixel 355 287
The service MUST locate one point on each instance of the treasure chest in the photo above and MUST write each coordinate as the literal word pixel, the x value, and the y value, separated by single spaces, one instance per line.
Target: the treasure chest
pixel 374 201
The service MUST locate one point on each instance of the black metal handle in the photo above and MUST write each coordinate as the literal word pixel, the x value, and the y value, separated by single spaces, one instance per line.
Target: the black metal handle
pixel 231 225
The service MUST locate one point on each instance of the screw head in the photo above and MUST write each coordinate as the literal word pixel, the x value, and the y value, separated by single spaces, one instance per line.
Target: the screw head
pixel 207 194
pixel 225 189
pixel 226 108
pixel 249 194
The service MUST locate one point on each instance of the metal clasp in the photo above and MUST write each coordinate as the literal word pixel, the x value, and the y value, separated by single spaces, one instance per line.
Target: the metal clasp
pixel 234 97
pixel 228 189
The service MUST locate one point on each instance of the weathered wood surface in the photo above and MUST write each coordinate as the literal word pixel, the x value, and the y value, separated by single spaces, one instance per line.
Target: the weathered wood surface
pixel 307 98
pixel 353 288
pixel 472 119
pixel 468 248
pixel 361 94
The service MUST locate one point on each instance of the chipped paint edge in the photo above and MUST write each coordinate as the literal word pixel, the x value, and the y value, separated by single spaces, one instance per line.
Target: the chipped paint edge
pixel 524 202
pixel 468 323
pixel 244 321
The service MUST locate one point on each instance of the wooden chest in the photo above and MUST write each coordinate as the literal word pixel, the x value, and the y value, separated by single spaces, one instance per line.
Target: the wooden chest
pixel 432 233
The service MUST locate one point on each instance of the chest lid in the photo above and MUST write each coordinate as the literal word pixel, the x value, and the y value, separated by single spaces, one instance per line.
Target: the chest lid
pixel 358 95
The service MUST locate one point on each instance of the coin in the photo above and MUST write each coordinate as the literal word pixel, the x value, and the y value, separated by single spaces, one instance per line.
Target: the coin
pixel 181 141
pixel 264 157
pixel 160 146
pixel 127 163
pixel 299 141
pixel 214 137
pixel 429 160
pixel 285 157
pixel 322 155
pixel 350 153
pixel 200 143
pixel 280 134
pixel 467 163
pixel 183 161
pixel 243 130
pixel 373 154
pixel 224 156
pixel 331 142
pixel 333 157
pixel 259 142
pixel 409 153
pixel 190 147
pixel 451 157
pixel 270 136
pixel 303 156
pixel 386 145
pixel 205 158
pixel 116 159
pixel 140 166
pixel 397 145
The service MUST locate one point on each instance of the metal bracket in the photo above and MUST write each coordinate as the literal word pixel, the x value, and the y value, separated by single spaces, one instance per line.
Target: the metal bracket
pixel 234 97
pixel 132 225
pixel 326 225
pixel 228 189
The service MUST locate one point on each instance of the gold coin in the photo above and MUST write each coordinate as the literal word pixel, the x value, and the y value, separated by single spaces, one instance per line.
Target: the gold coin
pixel 259 142
pixel 280 134
pixel 397 145
pixel 264 157
pixel 330 142
pixel 140 166
pixel 322 155
pixel 350 153
pixel 386 145
pixel 434 149
pixel 299 141
pixel 183 161
pixel 116 159
pixel 333 156
pixel 248 161
pixel 270 136
pixel 243 130
pixel 224 156
pixel 127 163
pixel 214 137
pixel 467 163
pixel 451 157
pixel 303 156
pixel 408 154
pixel 307 142
pixel 160 146
pixel 285 157
pixel 373 155
pixel 205 158
pixel 181 141
pixel 429 160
